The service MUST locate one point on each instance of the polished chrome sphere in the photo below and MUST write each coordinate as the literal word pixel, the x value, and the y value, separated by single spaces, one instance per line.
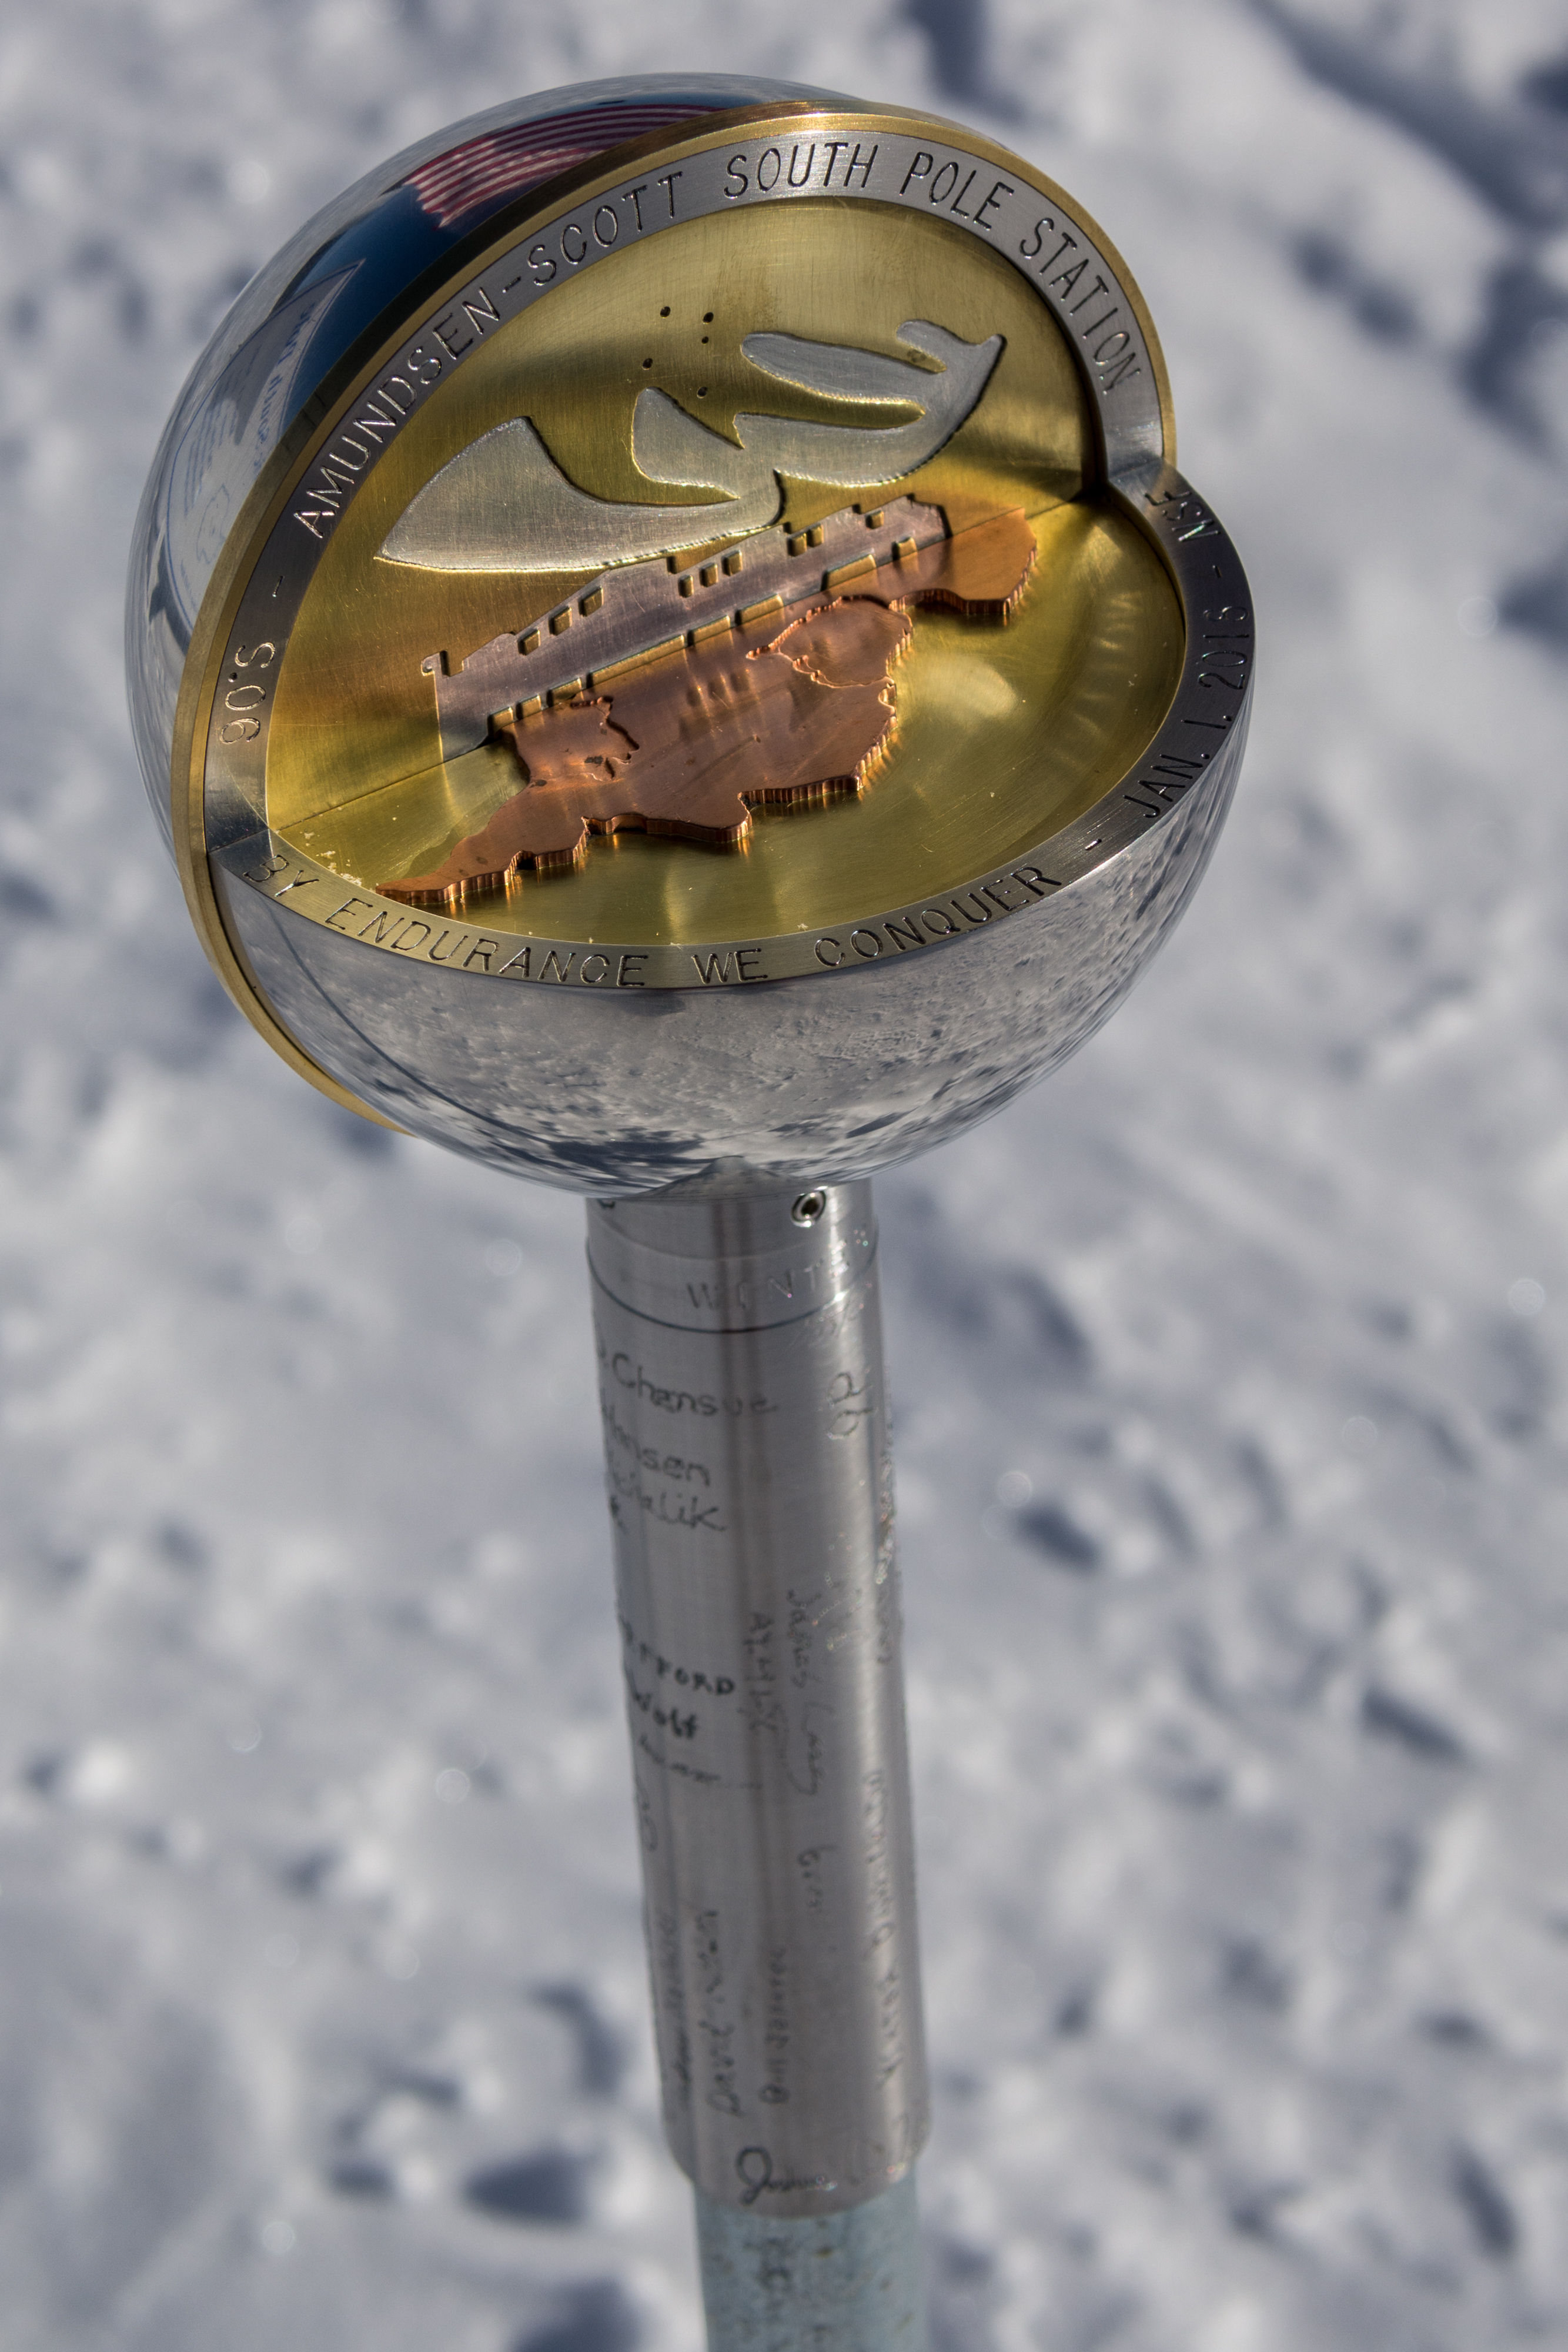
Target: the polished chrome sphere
pixel 667 644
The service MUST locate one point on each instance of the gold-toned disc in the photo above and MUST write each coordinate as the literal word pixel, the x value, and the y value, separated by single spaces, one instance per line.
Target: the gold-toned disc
pixel 680 717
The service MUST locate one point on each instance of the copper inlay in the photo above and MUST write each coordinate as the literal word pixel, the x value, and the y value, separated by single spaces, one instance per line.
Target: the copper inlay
pixel 787 709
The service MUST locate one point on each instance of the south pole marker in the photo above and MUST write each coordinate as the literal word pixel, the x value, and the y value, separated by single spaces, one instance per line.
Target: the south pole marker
pixel 671 653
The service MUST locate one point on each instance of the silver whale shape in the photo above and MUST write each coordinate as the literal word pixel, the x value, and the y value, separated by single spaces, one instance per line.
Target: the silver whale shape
pixel 504 505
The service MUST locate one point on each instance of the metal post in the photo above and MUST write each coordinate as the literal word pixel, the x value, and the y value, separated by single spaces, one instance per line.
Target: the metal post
pixel 741 1386
pixel 849 992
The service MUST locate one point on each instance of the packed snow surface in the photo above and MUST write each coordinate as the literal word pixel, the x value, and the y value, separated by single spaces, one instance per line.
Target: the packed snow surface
pixel 1229 1366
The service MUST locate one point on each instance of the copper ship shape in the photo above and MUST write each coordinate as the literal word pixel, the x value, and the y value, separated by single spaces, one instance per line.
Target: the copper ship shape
pixel 636 612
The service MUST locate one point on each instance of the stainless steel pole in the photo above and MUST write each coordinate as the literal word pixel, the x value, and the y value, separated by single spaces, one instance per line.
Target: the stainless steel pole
pixel 747 1439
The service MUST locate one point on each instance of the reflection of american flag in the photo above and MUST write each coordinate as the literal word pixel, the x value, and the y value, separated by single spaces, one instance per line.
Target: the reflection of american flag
pixel 480 175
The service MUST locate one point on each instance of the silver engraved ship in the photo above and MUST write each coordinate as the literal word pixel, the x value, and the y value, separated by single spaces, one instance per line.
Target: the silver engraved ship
pixel 504 505
pixel 637 612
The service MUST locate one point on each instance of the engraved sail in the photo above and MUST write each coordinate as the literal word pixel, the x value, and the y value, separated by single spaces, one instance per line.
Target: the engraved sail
pixel 504 505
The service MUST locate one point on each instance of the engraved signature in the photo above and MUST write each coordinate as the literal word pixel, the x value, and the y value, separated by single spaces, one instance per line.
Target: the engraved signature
pixel 852 1401
pixel 682 1727
pixel 686 1512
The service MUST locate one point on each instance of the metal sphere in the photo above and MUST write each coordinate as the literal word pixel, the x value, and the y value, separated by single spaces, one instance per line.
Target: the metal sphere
pixel 840 989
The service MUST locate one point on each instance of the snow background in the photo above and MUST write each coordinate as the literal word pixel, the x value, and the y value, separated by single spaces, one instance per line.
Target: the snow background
pixel 1228 1367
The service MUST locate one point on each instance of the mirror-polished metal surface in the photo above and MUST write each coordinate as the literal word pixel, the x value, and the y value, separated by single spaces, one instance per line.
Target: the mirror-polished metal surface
pixel 627 1066
pixel 723 1085
pixel 297 721
pixel 750 1473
